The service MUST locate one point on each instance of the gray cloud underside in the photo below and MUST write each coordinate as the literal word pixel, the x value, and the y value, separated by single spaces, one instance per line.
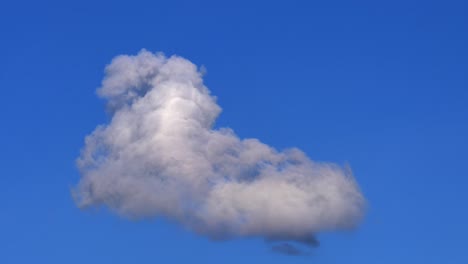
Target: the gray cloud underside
pixel 300 246
pixel 288 249
pixel 160 156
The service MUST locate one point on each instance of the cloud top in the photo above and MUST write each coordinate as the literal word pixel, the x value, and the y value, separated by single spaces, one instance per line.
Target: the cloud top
pixel 159 156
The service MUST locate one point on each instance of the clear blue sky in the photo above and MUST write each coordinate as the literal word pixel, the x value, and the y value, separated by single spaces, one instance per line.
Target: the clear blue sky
pixel 382 86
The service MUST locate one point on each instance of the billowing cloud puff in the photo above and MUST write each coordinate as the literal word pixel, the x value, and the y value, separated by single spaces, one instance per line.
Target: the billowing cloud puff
pixel 159 156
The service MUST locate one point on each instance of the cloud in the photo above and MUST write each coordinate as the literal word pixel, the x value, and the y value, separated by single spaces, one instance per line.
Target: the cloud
pixel 300 246
pixel 287 249
pixel 159 156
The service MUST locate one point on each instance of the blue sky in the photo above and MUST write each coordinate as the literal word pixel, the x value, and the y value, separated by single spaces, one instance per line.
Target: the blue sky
pixel 381 86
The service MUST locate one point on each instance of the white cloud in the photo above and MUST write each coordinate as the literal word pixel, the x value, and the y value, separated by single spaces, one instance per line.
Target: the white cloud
pixel 160 156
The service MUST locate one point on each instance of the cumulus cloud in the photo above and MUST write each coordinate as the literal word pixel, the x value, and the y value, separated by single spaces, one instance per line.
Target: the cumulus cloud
pixel 160 156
